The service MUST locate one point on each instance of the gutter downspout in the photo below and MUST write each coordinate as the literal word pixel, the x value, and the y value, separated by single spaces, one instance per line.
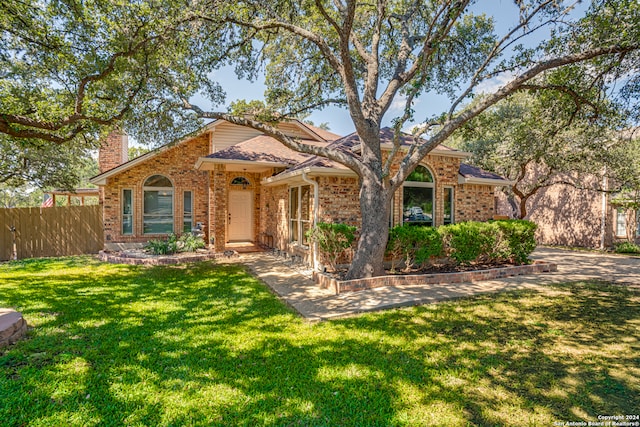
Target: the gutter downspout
pixel 306 179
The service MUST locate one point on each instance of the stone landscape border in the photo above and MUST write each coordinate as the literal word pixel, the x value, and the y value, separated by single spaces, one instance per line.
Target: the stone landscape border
pixel 137 259
pixel 326 281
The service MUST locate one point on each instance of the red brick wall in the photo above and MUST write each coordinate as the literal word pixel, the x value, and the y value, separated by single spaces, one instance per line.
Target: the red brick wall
pixel 567 216
pixel 338 196
pixel 177 164
pixel 113 151
pixel 474 202
pixel 338 200
pixel 274 214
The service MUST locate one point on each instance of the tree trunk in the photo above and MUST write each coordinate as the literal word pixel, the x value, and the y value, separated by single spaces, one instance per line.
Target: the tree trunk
pixel 522 198
pixel 374 208
pixel 523 209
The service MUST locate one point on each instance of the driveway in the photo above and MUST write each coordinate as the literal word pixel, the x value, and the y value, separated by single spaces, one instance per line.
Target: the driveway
pixel 296 288
pixel 584 265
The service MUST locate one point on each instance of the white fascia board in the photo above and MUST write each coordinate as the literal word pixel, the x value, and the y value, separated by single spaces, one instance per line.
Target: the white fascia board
pixel 285 177
pixel 484 181
pixel 207 160
pixel 450 153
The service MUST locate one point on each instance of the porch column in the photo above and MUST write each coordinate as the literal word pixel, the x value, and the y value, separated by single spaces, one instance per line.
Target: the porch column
pixel 218 207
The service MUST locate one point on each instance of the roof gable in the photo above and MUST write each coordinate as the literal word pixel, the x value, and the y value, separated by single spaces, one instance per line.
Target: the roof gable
pixel 232 135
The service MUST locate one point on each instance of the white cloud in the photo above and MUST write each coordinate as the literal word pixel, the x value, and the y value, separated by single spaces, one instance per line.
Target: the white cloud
pixel 492 85
pixel 399 102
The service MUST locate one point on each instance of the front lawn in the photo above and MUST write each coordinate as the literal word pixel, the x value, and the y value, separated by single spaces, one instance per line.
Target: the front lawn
pixel 209 345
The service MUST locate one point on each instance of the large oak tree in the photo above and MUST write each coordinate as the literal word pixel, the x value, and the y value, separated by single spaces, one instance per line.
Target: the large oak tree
pixel 367 55
pixel 101 62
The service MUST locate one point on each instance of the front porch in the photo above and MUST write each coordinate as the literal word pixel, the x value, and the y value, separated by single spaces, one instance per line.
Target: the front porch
pixel 244 247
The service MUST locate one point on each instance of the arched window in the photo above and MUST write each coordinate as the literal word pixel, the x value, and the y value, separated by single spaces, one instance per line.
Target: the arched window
pixel 241 180
pixel 417 197
pixel 158 205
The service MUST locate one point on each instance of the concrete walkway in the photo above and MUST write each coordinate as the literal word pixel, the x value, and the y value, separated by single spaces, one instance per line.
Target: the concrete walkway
pixel 295 287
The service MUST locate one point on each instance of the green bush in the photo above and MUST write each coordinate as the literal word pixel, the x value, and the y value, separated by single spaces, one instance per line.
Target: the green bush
pixel 333 239
pixel 413 245
pixel 627 248
pixel 468 242
pixel 190 242
pixel 463 243
pixel 163 247
pixel 521 238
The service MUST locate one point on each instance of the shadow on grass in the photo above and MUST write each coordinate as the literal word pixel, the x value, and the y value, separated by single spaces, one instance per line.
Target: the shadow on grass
pixel 209 345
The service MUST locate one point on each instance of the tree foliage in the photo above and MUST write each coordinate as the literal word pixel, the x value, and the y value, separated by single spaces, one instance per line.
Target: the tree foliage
pixel 366 55
pixel 19 197
pixel 542 138
pixel 99 62
pixel 42 165
pixel 70 70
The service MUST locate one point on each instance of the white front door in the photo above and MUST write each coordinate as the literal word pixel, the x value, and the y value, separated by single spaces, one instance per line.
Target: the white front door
pixel 240 217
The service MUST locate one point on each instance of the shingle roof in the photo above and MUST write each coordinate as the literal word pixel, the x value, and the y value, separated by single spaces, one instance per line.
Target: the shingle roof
pixel 263 148
pixel 347 143
pixel 322 133
pixel 350 141
pixel 469 171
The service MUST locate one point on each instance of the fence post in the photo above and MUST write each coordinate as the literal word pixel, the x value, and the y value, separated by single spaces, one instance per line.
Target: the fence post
pixel 14 248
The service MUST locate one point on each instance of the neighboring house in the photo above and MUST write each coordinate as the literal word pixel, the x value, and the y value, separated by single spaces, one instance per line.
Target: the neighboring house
pixel 238 185
pixel 578 217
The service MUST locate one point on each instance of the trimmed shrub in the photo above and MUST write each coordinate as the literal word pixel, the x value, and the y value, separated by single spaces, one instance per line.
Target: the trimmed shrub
pixel 463 243
pixel 468 242
pixel 413 245
pixel 333 239
pixel 521 239
pixel 627 248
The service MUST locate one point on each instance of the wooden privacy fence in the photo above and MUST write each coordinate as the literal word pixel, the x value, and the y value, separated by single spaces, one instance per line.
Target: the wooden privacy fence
pixel 51 231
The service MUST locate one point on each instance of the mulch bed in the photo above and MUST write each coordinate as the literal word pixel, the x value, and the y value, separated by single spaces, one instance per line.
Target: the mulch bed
pixel 461 274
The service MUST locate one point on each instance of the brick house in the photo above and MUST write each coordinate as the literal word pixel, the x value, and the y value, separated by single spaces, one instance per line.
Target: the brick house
pixel 238 185
pixel 584 217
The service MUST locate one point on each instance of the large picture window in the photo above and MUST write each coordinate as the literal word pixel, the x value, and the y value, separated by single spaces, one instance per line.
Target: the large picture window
pixel 127 211
pixel 158 205
pixel 299 213
pixel 417 198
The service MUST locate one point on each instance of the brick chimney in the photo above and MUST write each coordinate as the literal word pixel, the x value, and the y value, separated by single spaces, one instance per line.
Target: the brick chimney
pixel 114 151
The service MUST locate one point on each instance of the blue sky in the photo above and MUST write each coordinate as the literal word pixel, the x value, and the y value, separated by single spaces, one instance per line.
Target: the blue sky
pixel 505 14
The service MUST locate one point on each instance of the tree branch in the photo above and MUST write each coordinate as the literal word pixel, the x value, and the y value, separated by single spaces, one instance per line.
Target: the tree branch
pixel 499 48
pixel 344 157
pixel 451 125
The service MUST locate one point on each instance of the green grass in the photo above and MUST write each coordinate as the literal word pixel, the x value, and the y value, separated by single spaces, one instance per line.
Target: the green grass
pixel 209 345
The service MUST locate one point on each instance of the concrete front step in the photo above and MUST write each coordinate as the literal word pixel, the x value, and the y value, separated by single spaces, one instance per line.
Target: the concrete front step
pixel 12 326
